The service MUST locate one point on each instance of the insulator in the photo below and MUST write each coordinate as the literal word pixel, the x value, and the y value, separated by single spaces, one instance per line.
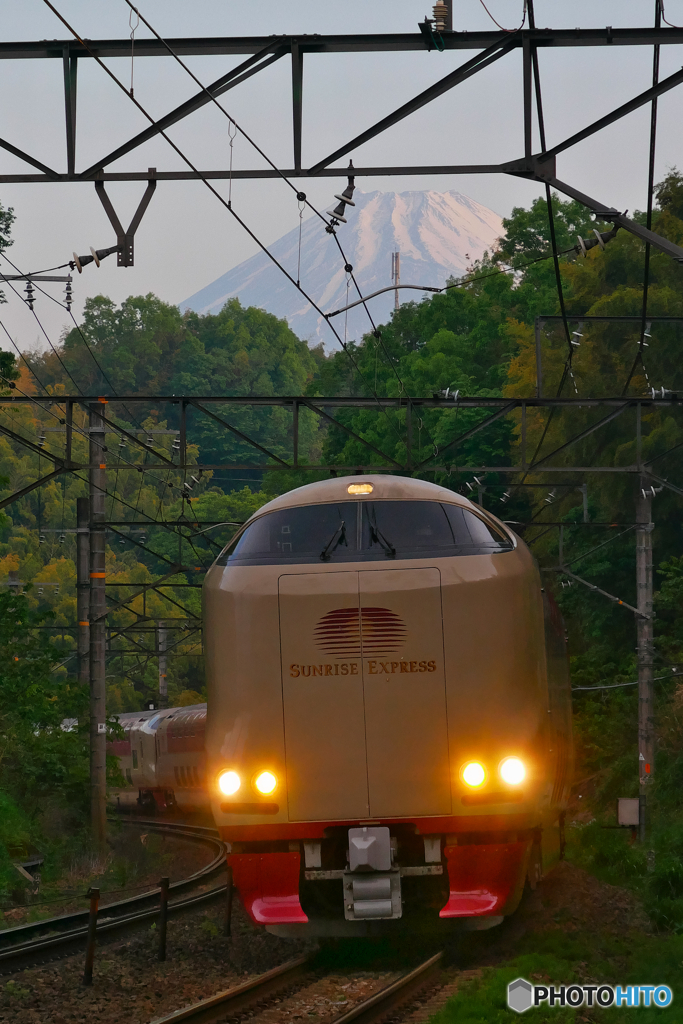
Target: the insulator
pixel 440 15
pixel 62 538
pixel 150 440
pixel 601 239
pixel 82 261
pixel 122 542
pixel 41 538
pixel 56 589
pixel 122 444
pixel 40 591
pixel 345 196
pixel 194 478
pixel 338 212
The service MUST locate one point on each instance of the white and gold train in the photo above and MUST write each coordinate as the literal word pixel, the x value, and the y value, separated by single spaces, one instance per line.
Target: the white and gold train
pixel 389 728
pixel 161 757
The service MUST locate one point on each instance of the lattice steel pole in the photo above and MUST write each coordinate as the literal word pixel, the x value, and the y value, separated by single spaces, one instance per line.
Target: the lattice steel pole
pixel 98 607
pixel 83 588
pixel 645 634
pixel 162 642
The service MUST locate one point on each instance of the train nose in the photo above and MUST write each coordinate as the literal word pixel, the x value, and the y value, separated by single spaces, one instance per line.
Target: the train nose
pixel 364 687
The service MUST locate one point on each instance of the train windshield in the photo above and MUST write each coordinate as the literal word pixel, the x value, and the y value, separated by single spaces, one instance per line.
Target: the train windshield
pixel 361 531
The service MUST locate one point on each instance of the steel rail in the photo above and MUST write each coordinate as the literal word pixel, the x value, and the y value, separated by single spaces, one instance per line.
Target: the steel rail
pixel 35 946
pixel 394 996
pixel 252 993
pixel 243 997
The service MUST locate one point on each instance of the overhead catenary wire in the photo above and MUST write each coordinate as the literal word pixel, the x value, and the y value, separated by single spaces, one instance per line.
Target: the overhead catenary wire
pixel 650 192
pixel 613 686
pixel 201 176
pixel 301 196
pixel 498 25
pixel 660 4
pixel 59 358
pixel 22 356
pixel 80 332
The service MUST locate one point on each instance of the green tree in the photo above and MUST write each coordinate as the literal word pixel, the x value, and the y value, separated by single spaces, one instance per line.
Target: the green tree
pixel 41 764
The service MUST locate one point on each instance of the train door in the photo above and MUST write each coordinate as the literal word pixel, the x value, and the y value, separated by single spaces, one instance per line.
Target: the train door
pixel 322 687
pixel 405 692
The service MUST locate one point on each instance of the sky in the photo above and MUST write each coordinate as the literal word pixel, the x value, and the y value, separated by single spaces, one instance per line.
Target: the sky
pixel 187 239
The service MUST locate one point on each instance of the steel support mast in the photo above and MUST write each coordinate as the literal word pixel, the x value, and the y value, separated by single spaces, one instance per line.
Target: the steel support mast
pixel 83 588
pixel 645 634
pixel 98 610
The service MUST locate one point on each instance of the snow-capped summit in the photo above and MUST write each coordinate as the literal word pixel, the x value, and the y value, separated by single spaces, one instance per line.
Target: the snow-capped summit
pixel 436 233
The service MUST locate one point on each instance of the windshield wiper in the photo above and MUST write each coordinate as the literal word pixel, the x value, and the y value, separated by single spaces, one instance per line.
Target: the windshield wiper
pixel 334 542
pixel 378 538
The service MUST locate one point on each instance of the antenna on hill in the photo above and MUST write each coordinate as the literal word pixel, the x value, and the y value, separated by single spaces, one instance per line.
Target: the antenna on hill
pixel 396 275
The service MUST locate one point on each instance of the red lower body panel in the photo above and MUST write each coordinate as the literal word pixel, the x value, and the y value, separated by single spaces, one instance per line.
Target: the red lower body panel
pixel 268 884
pixel 484 879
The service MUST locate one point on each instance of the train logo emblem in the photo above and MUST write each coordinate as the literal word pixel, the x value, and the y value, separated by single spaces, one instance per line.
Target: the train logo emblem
pixel 354 632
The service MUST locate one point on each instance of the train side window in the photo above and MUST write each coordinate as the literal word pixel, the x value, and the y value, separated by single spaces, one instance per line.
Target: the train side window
pixel 135 759
pixel 472 532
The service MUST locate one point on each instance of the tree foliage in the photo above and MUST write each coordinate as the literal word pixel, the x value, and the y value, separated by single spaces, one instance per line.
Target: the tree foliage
pixel 476 338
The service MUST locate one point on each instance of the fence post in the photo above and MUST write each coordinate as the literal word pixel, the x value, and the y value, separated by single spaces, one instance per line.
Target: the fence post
pixel 163 916
pixel 94 895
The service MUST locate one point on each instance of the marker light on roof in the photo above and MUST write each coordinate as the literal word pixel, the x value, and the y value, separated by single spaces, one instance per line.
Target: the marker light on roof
pixel 360 488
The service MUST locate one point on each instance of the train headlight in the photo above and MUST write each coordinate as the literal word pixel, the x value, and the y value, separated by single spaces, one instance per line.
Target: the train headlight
pixel 265 782
pixel 473 774
pixel 512 771
pixel 360 489
pixel 229 783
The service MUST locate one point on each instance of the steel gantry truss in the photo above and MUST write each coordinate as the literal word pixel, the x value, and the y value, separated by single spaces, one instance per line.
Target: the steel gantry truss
pixel 261 52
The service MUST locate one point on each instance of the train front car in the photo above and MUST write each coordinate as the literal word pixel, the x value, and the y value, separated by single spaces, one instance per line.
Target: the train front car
pixel 386 738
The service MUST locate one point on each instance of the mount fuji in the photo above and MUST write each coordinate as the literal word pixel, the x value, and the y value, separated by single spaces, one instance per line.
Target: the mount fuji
pixel 438 234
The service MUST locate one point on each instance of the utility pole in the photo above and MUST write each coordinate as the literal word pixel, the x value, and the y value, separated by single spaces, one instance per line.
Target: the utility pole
pixel 396 275
pixel 162 639
pixel 98 608
pixel 645 634
pixel 83 588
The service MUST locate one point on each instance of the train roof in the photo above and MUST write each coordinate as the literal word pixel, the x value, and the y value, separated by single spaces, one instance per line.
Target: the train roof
pixel 383 486
pixel 130 717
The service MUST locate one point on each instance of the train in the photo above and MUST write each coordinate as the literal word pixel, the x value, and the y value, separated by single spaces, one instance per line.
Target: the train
pixel 388 736
pixel 387 740
pixel 162 760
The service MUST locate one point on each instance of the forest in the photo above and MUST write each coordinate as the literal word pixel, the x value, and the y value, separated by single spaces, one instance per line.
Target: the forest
pixel 477 337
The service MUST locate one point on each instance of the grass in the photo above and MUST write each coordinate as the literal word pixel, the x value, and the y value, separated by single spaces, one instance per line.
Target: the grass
pixel 558 959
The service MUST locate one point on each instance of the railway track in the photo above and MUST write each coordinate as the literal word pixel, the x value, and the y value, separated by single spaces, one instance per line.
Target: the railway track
pixel 41 941
pixel 254 995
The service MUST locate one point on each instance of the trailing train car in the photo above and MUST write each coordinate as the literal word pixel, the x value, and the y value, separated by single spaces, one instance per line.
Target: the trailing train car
pixel 389 730
pixel 162 759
